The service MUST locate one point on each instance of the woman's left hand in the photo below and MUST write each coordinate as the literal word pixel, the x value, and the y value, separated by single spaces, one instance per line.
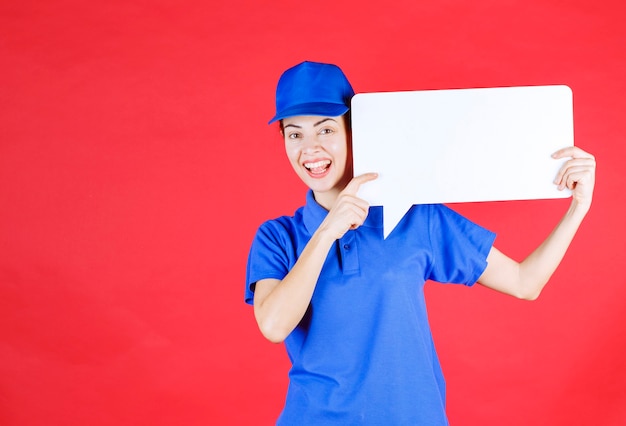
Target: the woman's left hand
pixel 578 174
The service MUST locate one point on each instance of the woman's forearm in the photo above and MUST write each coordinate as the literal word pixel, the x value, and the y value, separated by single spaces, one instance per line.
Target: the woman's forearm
pixel 279 305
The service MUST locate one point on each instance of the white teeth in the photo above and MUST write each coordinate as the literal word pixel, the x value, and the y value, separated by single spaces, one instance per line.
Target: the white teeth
pixel 317 164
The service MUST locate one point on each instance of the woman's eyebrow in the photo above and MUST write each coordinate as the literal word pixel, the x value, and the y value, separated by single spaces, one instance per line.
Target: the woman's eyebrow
pixel 321 121
pixel 314 125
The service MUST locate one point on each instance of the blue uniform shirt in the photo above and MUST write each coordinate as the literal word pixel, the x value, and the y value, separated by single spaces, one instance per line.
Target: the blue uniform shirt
pixel 363 353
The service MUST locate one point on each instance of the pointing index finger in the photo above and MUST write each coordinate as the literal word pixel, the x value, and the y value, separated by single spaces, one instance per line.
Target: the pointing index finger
pixel 356 182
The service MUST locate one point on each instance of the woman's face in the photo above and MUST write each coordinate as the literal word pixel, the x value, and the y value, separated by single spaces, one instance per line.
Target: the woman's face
pixel 318 149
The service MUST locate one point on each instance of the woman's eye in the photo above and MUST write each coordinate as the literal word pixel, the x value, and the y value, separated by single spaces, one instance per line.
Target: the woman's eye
pixel 326 131
pixel 294 135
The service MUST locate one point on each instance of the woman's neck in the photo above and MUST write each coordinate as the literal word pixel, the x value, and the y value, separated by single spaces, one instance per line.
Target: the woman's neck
pixel 327 199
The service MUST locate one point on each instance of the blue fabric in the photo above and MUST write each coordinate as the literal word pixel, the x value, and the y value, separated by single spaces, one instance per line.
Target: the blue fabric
pixel 363 353
pixel 312 88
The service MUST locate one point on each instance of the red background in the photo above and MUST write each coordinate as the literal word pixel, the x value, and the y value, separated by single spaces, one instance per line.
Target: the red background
pixel 136 164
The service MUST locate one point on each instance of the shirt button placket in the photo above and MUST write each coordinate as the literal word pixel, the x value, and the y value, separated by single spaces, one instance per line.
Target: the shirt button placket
pixel 349 255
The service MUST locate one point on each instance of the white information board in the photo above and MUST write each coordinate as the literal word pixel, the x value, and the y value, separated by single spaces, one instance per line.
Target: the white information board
pixel 460 145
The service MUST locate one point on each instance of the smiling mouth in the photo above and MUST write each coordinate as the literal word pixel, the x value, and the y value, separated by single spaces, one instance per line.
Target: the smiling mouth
pixel 318 168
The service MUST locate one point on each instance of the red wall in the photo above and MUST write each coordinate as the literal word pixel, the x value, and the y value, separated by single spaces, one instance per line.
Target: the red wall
pixel 136 164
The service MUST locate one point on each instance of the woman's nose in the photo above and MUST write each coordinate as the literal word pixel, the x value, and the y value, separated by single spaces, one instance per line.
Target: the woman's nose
pixel 311 144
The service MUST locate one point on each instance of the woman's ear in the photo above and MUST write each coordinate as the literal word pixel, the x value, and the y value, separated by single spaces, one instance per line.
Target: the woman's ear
pixel 281 128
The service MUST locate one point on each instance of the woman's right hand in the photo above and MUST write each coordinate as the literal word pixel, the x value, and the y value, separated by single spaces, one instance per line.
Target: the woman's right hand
pixel 349 211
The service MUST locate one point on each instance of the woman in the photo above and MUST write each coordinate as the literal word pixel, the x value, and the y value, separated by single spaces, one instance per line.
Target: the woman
pixel 348 303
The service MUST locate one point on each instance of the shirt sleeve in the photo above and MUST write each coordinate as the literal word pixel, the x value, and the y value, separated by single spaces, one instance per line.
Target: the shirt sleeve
pixel 268 257
pixel 459 246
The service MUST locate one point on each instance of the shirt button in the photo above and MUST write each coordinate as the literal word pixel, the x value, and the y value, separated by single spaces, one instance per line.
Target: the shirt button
pixel 346 246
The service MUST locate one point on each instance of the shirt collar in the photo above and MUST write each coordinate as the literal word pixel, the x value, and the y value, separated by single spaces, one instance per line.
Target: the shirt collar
pixel 314 214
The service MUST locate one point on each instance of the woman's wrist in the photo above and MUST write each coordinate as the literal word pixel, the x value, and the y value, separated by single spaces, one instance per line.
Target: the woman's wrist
pixel 577 209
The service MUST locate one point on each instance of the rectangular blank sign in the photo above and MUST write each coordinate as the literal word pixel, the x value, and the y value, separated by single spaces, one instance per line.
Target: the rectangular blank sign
pixel 461 145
